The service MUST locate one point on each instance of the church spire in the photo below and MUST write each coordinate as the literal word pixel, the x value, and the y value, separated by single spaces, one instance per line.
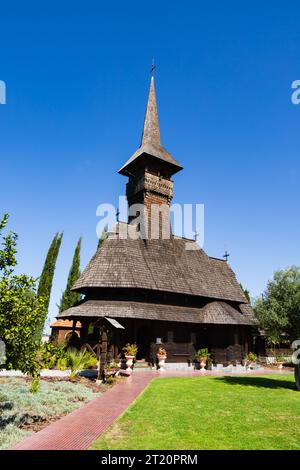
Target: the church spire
pixel 151 132
pixel 151 149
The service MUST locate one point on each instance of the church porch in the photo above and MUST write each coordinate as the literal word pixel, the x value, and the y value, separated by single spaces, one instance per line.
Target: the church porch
pixel 228 344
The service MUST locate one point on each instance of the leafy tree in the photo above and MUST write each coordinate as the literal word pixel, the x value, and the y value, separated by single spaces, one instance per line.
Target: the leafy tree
pixel 70 298
pixel 20 308
pixel 7 254
pixel 46 279
pixel 278 311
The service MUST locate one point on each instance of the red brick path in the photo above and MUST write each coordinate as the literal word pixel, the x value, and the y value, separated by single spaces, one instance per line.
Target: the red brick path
pixel 77 430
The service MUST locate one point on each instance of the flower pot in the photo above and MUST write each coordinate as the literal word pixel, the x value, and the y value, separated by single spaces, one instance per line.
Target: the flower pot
pixel 129 362
pixel 161 362
pixel 280 365
pixel 202 364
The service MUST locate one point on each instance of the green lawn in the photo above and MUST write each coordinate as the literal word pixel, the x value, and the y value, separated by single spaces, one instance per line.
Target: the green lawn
pixel 254 412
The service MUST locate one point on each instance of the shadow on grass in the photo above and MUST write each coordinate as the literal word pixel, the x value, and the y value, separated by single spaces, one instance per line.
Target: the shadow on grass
pixel 8 420
pixel 6 406
pixel 263 382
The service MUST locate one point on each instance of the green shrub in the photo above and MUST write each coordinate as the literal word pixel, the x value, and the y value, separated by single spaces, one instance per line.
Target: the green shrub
pixel 50 353
pixel 11 435
pixel 110 380
pixel 35 384
pixel 79 360
pixel 280 358
pixel 62 363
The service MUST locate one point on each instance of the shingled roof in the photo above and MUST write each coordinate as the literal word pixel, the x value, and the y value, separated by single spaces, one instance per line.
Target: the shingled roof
pixel 160 265
pixel 213 313
pixel 65 324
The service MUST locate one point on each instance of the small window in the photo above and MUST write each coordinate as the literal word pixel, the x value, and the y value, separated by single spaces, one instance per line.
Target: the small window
pixel 193 337
pixel 170 336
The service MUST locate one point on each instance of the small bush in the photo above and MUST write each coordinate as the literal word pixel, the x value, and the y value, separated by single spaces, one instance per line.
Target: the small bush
pixel 35 384
pixel 62 363
pixel 79 360
pixel 280 358
pixel 110 380
pixel 11 435
pixel 50 353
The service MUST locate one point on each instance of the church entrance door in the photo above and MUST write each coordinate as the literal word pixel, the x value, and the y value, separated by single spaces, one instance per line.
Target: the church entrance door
pixel 143 342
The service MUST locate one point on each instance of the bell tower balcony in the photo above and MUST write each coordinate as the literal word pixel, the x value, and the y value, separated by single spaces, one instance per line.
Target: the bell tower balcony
pixel 150 182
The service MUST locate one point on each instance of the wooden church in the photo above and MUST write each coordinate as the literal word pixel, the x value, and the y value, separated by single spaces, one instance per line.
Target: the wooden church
pixel 156 292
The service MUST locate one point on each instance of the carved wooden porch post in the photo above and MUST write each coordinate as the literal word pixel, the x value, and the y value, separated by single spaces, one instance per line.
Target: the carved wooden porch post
pixel 297 376
pixel 103 352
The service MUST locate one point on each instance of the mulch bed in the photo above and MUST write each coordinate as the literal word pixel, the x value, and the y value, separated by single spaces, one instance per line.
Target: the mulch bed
pixel 38 425
pixel 86 382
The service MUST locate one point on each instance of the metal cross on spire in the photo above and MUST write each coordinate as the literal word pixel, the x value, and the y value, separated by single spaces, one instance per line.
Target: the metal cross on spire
pixel 152 68
pixel 226 255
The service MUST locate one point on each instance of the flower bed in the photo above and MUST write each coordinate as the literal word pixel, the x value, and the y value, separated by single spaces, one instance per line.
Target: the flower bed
pixel 22 412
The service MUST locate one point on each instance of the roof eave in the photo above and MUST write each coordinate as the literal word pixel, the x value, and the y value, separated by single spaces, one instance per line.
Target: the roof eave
pixel 125 169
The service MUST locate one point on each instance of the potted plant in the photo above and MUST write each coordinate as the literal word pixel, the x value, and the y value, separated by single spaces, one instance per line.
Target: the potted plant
pixel 280 359
pixel 202 356
pixel 251 357
pixel 161 356
pixel 130 351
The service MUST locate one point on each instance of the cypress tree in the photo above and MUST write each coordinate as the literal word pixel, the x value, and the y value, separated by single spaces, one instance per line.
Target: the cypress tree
pixel 103 236
pixel 246 292
pixel 70 298
pixel 46 279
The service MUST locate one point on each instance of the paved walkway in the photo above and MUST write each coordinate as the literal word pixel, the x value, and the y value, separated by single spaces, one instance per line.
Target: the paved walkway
pixel 77 430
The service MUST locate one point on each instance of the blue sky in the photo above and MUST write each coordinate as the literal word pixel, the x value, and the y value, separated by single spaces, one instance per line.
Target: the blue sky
pixel 77 76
